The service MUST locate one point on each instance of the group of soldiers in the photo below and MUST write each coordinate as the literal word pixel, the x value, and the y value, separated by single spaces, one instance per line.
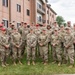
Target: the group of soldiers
pixel 37 41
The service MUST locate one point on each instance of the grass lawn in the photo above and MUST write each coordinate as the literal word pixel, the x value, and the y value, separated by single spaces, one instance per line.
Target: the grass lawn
pixel 38 69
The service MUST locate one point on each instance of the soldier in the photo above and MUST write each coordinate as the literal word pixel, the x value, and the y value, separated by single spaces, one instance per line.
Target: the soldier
pixel 37 32
pixel 25 32
pixel 55 25
pixel 10 28
pixel 62 34
pixel 74 37
pixel 9 32
pixel 43 45
pixel 69 48
pixel 56 44
pixel 4 47
pixel 69 24
pixel 49 32
pixel 20 28
pixel 16 41
pixel 33 25
pixel 28 26
pixel 31 46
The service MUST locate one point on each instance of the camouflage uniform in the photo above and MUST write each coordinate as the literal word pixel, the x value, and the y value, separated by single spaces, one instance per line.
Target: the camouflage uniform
pixel 9 32
pixel 20 28
pixel 73 31
pixel 16 41
pixel 4 51
pixel 43 46
pixel 69 48
pixel 56 50
pixel 37 33
pixel 49 32
pixel 25 32
pixel 31 46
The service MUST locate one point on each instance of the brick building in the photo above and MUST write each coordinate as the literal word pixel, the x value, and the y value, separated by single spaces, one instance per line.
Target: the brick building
pixel 30 11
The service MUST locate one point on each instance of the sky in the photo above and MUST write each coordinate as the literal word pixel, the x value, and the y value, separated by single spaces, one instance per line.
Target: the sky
pixel 64 8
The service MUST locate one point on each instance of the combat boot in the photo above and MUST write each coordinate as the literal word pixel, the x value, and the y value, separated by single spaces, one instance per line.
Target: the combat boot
pixel 6 64
pixel 33 63
pixel 20 63
pixel 71 66
pixel 54 62
pixel 45 63
pixel 59 64
pixel 28 63
pixel 15 64
pixel 3 65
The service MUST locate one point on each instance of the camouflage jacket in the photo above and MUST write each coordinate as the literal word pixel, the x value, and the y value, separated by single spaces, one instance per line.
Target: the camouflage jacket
pixel 31 40
pixel 16 39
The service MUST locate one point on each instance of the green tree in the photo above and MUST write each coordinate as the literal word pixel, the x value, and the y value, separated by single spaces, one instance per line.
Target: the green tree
pixel 60 20
pixel 64 24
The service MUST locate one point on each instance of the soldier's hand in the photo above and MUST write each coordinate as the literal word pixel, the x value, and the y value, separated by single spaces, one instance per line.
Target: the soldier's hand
pixel 53 44
pixel 74 42
pixel 17 46
pixel 66 47
pixel 7 46
pixel 41 44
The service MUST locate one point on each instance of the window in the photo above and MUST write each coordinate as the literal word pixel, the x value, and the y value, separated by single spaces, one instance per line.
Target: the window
pixel 28 12
pixel 5 23
pixel 18 24
pixel 52 16
pixel 5 3
pixel 39 5
pixel 40 19
pixel 47 12
pixel 18 8
pixel 48 21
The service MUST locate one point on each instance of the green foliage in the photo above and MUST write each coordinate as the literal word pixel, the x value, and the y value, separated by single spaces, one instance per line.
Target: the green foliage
pixel 64 24
pixel 60 20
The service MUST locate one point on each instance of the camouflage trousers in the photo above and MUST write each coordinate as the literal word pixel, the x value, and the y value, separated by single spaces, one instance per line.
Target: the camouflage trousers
pixel 57 54
pixel 69 54
pixel 23 46
pixel 4 54
pixel 31 53
pixel 16 53
pixel 44 53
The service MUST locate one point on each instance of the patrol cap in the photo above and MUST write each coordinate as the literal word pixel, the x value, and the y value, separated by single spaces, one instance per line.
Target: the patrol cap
pixel 43 29
pixel 1 25
pixel 67 28
pixel 56 29
pixel 61 26
pixel 3 29
pixel 48 26
pixel 37 25
pixel 31 28
pixel 69 22
pixel 25 23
